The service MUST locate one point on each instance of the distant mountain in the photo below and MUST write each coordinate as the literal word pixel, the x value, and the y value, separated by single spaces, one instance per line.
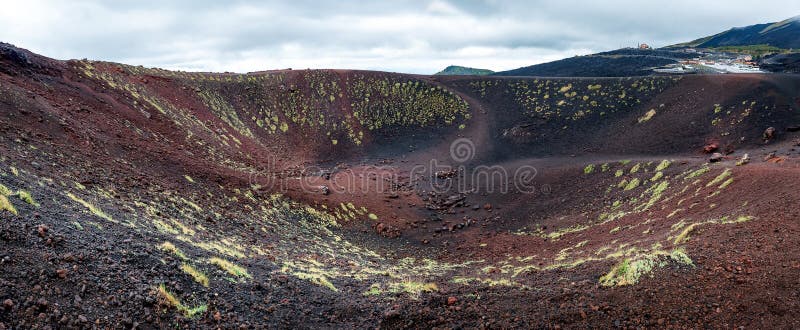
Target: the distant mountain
pixel 617 63
pixel 784 34
pixel 758 40
pixel 455 70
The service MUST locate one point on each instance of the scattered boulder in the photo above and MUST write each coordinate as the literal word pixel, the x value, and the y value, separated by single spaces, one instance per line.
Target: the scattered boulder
pixel 454 200
pixel 61 273
pixel 519 134
pixel 325 190
pixel 387 230
pixel 446 174
pixel 8 304
pixel 326 175
pixel 42 230
pixel 716 157
pixel 710 147
pixel 487 207
pixel 744 160
pixel 452 300
pixel 438 202
pixel 769 133
pixel 773 158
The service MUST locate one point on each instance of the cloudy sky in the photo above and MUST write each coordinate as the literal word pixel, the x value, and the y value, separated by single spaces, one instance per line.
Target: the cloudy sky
pixel 405 36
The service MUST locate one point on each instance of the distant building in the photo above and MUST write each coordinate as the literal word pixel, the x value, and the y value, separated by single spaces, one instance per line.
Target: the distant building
pixel 645 46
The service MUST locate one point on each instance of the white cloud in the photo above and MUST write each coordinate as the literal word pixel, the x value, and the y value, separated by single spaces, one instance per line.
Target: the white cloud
pixel 443 8
pixel 419 36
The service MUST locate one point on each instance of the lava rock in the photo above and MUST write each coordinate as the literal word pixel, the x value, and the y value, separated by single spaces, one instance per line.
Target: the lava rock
pixel 769 133
pixel 445 174
pixel 42 303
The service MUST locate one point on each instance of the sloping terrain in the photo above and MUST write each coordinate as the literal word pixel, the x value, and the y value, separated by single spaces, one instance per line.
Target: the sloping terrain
pixel 135 197
pixel 785 63
pixel 617 63
pixel 784 34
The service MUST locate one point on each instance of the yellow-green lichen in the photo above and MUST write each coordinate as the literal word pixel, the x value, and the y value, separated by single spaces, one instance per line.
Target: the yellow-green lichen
pixel 636 168
pixel 663 165
pixel 630 270
pixel 632 184
pixel 722 176
pixel 5 205
pixel 27 198
pixel 647 116
pixel 169 299
pixel 4 190
pixel 696 173
pixel 196 274
pixel 95 210
pixel 230 267
pixel 171 248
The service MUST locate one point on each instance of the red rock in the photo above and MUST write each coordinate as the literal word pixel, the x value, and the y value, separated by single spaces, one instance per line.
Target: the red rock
pixel 42 230
pixel 387 230
pixel 452 300
pixel 487 206
pixel 62 273
pixel 8 304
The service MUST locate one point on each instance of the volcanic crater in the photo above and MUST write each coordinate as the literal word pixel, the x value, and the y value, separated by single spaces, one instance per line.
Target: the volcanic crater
pixel 141 197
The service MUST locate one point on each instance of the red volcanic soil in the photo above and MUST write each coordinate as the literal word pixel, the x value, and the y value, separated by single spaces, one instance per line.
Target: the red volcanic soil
pixel 146 198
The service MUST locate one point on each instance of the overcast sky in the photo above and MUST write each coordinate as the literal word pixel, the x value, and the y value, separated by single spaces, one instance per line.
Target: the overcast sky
pixel 404 36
